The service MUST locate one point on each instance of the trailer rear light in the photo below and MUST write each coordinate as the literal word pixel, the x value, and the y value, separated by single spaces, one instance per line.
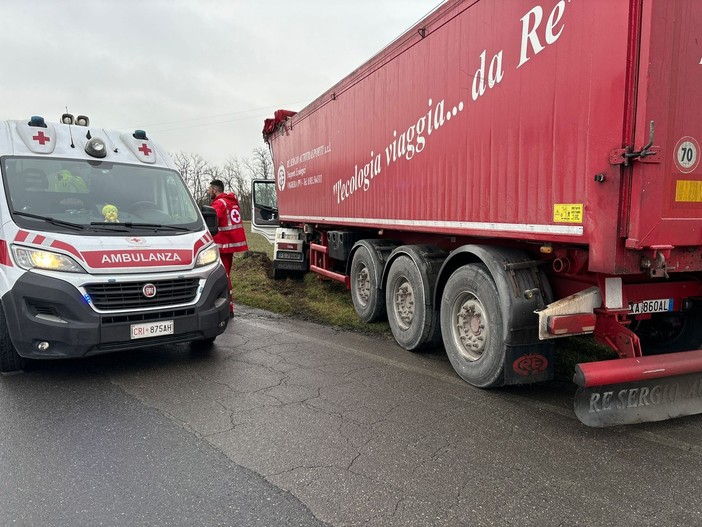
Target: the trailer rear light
pixel 288 246
pixel 571 324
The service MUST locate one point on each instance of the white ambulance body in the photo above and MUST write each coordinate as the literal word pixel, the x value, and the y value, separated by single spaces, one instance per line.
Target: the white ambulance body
pixel 102 247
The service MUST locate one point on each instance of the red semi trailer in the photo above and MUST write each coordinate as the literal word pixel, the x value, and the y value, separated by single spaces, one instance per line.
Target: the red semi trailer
pixel 508 172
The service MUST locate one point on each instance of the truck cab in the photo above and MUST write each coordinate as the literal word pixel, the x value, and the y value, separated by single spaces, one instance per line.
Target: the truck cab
pixel 289 255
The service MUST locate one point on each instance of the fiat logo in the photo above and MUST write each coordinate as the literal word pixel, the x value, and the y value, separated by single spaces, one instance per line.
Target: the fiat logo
pixel 149 290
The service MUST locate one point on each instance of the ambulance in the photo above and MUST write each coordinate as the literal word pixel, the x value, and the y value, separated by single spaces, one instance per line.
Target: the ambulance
pixel 102 246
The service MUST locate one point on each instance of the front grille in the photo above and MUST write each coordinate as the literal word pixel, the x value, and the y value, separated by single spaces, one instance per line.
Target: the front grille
pixel 129 295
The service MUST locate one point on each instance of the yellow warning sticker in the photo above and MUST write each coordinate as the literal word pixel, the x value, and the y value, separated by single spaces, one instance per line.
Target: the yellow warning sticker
pixel 568 212
pixel 688 191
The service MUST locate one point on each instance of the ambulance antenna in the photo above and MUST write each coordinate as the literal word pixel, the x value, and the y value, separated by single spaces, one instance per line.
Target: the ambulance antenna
pixel 70 130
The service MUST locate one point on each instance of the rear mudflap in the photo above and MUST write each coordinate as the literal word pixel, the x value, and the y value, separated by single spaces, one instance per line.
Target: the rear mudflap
pixel 640 389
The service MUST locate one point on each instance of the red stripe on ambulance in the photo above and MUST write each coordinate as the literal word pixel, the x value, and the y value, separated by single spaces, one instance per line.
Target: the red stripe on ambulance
pixel 56 244
pixel 5 254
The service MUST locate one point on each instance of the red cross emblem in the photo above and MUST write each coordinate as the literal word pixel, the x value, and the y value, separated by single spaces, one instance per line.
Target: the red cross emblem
pixel 235 216
pixel 144 148
pixel 41 138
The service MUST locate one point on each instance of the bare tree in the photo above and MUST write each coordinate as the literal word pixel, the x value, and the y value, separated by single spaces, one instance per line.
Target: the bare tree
pixel 196 173
pixel 236 175
pixel 263 163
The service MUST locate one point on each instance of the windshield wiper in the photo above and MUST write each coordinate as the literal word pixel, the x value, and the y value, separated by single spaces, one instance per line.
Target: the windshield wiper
pixel 132 225
pixel 157 226
pixel 53 221
pixel 108 225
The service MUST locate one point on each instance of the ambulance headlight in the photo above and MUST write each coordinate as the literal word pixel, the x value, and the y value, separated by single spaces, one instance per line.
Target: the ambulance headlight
pixel 28 258
pixel 207 256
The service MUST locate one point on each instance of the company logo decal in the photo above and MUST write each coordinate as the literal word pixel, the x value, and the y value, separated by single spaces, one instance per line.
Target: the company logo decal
pixel 149 290
pixel 281 177
pixel 235 216
pixel 136 240
pixel 530 364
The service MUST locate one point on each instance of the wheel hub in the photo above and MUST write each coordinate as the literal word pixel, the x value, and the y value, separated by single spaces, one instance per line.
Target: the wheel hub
pixel 472 328
pixel 363 285
pixel 404 304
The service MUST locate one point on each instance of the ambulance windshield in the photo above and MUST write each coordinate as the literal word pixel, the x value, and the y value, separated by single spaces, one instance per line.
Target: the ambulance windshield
pixel 92 193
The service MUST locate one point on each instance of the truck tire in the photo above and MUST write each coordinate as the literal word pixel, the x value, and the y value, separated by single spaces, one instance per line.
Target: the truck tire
pixel 368 299
pixel 412 322
pixel 472 326
pixel 10 360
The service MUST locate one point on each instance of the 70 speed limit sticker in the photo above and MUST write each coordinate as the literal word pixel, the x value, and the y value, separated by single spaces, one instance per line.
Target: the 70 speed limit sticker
pixel 687 154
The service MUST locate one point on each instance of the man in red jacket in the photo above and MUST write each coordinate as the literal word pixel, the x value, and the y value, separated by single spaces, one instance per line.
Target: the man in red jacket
pixel 231 237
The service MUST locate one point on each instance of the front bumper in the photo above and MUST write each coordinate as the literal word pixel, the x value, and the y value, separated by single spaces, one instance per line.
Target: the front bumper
pixel 42 309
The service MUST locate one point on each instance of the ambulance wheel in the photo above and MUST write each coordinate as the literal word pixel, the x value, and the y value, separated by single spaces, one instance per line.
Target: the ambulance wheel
pixel 366 295
pixel 412 322
pixel 10 360
pixel 472 326
pixel 202 344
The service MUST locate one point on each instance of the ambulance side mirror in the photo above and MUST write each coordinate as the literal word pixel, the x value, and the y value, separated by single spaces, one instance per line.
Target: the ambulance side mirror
pixel 210 216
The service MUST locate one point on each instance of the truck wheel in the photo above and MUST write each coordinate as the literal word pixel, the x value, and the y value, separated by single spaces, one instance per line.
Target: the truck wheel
pixel 412 322
pixel 10 360
pixel 367 298
pixel 471 326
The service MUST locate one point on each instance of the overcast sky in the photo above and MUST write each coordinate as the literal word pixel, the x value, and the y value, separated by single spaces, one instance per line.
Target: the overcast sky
pixel 199 76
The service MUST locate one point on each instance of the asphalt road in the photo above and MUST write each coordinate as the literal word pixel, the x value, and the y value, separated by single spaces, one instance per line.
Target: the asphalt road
pixel 289 423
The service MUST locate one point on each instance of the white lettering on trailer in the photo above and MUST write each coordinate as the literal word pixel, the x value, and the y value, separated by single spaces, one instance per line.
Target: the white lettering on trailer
pixel 140 258
pixel 495 74
pixel 660 393
pixel 309 155
pixel 529 36
pixel 536 37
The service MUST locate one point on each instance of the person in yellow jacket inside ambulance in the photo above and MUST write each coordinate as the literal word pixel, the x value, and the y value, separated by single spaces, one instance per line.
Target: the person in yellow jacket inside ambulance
pixel 231 237
pixel 65 181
